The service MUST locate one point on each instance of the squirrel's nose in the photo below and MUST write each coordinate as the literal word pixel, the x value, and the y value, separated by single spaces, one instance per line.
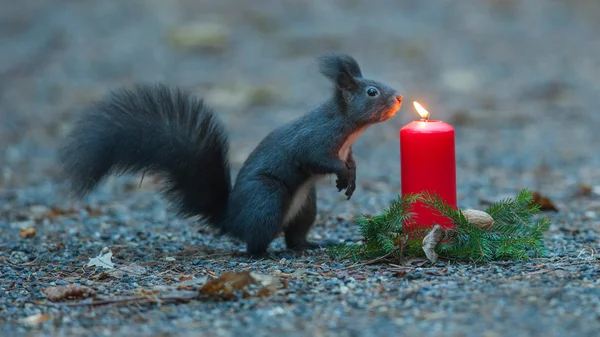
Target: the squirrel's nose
pixel 399 98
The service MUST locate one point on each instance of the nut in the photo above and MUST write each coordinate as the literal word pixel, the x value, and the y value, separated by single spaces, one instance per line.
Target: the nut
pixel 479 218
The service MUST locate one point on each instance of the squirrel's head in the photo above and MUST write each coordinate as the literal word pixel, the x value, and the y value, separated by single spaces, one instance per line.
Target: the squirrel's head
pixel 363 100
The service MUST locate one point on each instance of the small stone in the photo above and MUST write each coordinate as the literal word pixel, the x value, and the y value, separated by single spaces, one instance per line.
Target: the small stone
pixel 22 224
pixel 590 215
pixel 414 276
pixel 28 232
pixel 38 212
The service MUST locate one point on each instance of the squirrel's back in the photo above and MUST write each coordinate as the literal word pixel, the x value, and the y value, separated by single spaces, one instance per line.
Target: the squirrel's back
pixel 153 129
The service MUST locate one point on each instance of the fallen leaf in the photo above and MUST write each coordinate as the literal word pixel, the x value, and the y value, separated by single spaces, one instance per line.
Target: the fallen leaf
pixel 544 203
pixel 93 212
pixel 190 284
pixel 68 292
pixel 103 260
pixel 56 212
pixel 27 232
pixel 128 269
pixel 435 236
pixel 246 283
pixel 133 268
pixel 35 319
pixel 584 189
pixel 184 278
pixel 269 284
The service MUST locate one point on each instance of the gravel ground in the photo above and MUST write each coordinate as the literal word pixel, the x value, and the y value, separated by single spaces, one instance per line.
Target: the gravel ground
pixel 518 79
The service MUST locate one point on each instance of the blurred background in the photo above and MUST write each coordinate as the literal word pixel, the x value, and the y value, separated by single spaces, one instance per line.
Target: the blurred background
pixel 520 80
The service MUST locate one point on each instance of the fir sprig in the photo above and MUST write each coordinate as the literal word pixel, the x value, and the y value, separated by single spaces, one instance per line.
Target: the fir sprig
pixel 514 235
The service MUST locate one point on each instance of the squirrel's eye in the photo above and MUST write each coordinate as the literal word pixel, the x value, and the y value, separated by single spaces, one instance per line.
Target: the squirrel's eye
pixel 372 92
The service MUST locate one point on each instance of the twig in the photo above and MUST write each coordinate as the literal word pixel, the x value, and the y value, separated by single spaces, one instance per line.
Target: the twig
pixel 367 262
pixel 181 296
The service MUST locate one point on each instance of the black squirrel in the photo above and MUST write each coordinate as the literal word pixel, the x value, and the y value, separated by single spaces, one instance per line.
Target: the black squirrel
pixel 166 131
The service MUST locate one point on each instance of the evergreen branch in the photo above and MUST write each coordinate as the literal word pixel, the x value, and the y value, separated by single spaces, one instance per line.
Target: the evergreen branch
pixel 513 236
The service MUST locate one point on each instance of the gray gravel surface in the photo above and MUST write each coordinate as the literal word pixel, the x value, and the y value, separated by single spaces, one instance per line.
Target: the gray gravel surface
pixel 518 79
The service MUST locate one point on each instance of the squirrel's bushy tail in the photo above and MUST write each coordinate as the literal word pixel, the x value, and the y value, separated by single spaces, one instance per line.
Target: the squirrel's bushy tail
pixel 153 129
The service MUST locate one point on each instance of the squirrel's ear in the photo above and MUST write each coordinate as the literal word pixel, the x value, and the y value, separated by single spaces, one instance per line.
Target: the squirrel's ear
pixel 343 70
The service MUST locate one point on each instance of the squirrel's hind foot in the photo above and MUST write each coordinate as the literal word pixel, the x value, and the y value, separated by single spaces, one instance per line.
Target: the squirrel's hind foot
pixel 310 245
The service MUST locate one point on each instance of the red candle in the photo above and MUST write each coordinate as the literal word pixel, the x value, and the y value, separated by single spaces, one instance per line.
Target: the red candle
pixel 428 163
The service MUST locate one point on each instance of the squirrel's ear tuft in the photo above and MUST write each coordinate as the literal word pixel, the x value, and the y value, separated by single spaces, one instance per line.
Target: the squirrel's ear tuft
pixel 342 69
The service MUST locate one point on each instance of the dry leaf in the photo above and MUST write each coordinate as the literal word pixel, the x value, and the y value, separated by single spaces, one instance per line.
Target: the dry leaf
pixel 269 284
pixel 544 203
pixel 247 283
pixel 227 284
pixel 92 212
pixel 435 236
pixel 27 232
pixel 133 268
pixel 68 292
pixel 584 190
pixel 54 211
pixel 35 319
pixel 192 283
pixel 58 212
pixel 184 278
pixel 128 269
pixel 103 260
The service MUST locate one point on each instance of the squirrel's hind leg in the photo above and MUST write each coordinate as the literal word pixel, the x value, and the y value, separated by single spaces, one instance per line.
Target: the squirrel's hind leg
pixel 297 229
pixel 257 220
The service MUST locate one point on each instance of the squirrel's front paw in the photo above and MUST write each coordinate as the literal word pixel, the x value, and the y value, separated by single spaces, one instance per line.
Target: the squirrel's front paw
pixel 351 187
pixel 351 165
pixel 341 183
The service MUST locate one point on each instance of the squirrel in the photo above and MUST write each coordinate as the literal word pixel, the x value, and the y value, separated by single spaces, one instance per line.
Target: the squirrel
pixel 155 129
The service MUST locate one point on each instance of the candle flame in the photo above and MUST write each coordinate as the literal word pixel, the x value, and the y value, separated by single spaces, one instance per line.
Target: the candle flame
pixel 422 112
